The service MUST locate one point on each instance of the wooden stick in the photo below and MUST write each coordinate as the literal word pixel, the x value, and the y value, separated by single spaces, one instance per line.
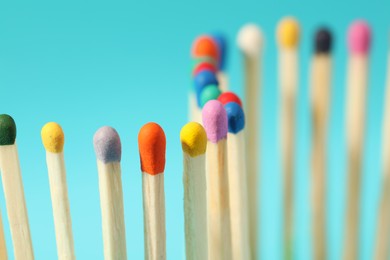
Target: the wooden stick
pixel 3 246
pixel 250 42
pixel 194 141
pixel 13 190
pixel 359 38
pixel 53 141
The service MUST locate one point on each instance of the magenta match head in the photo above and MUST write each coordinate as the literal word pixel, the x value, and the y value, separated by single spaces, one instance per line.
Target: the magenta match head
pixel 359 37
pixel 215 121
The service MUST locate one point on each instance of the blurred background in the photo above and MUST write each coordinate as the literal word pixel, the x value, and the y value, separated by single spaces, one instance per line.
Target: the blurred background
pixel 85 64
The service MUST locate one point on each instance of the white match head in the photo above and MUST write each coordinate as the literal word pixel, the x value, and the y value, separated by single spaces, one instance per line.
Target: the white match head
pixel 250 39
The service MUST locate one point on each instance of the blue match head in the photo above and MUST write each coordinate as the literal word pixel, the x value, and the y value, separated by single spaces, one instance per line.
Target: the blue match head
pixel 221 41
pixel 236 117
pixel 107 145
pixel 203 79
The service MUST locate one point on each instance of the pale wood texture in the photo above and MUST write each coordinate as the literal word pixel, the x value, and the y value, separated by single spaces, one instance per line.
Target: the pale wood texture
pixel 111 203
pixel 60 203
pixel 15 202
pixel 195 113
pixel 320 97
pixel 252 116
pixel 3 246
pixel 154 216
pixel 219 227
pixel 382 245
pixel 195 207
pixel 223 81
pixel 356 110
pixel 238 196
pixel 288 77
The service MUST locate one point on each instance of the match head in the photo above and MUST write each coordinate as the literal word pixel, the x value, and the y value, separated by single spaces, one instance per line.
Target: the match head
pixel 53 137
pixel 193 139
pixel 204 66
pixel 323 41
pixel 205 46
pixel 236 117
pixel 288 33
pixel 359 37
pixel 107 145
pixel 7 130
pixel 228 96
pixel 215 121
pixel 250 40
pixel 221 41
pixel 203 79
pixel 152 145
pixel 210 92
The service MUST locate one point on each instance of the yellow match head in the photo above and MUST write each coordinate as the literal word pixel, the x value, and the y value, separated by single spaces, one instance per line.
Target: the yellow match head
pixel 288 33
pixel 193 139
pixel 53 137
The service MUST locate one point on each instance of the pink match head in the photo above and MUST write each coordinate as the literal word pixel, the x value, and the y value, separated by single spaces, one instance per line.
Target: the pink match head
pixel 215 121
pixel 359 37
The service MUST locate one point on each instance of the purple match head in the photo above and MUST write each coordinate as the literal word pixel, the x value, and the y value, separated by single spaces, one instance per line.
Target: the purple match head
pixel 359 37
pixel 107 145
pixel 215 121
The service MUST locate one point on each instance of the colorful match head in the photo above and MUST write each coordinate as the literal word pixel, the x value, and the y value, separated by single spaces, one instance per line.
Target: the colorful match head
pixel 221 41
pixel 53 137
pixel 359 37
pixel 323 41
pixel 236 117
pixel 203 79
pixel 193 139
pixel 228 96
pixel 107 145
pixel 204 66
pixel 152 145
pixel 215 121
pixel 205 46
pixel 288 33
pixel 7 130
pixel 210 92
pixel 250 40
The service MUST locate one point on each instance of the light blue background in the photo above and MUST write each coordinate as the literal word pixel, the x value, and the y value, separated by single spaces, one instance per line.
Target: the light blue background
pixel 85 64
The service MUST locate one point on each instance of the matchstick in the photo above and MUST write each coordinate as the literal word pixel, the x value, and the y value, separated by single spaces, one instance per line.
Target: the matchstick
pixel 237 182
pixel 53 141
pixel 13 190
pixel 359 37
pixel 288 39
pixel 205 48
pixel 320 98
pixel 3 246
pixel 227 97
pixel 219 227
pixel 194 140
pixel 221 42
pixel 152 143
pixel 210 92
pixel 108 151
pixel 250 41
pixel 382 249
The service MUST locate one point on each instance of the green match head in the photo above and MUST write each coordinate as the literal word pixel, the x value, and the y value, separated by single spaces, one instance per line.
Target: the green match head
pixel 7 130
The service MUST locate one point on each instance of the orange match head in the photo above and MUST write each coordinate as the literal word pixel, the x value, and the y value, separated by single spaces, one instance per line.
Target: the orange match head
pixel 152 143
pixel 205 46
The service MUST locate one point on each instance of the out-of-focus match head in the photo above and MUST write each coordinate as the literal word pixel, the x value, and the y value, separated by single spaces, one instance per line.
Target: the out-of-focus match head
pixel 236 117
pixel 193 139
pixel 250 40
pixel 210 92
pixel 108 147
pixel 53 137
pixel 204 66
pixel 288 33
pixel 323 41
pixel 359 37
pixel 152 145
pixel 7 130
pixel 203 79
pixel 215 121
pixel 205 46
pixel 228 96
pixel 221 41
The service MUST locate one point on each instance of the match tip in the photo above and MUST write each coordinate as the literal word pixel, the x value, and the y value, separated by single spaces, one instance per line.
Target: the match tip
pixel 205 46
pixel 203 79
pixel 52 137
pixel 236 117
pixel 250 39
pixel 323 41
pixel 7 130
pixel 209 92
pixel 359 37
pixel 193 139
pixel 202 66
pixel 152 145
pixel 215 121
pixel 228 96
pixel 288 33
pixel 107 145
